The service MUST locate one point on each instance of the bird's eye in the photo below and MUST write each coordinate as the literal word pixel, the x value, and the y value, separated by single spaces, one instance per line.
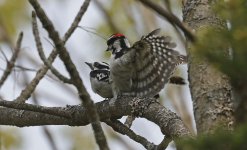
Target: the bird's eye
pixel 96 64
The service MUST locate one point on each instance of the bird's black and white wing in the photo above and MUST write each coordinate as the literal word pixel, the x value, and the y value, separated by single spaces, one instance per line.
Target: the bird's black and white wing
pixel 155 62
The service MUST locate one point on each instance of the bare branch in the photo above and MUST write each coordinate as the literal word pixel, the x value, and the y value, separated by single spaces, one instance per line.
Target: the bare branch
pixel 168 7
pixel 49 138
pixel 5 58
pixel 11 63
pixel 170 17
pixel 121 128
pixel 41 52
pixel 26 93
pixel 77 20
pixel 44 128
pixel 22 68
pixel 77 81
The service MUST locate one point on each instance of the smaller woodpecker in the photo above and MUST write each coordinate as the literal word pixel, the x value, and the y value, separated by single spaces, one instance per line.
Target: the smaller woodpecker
pixel 99 78
pixel 100 82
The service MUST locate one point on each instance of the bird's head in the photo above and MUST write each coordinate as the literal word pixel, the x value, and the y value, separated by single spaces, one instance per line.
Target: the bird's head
pixel 98 65
pixel 117 42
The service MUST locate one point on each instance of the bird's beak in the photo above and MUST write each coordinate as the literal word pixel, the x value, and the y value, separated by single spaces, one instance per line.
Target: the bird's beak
pixel 107 49
pixel 90 65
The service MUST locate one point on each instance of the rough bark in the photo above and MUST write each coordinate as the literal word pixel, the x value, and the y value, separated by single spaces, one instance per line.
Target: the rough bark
pixel 210 89
pixel 33 115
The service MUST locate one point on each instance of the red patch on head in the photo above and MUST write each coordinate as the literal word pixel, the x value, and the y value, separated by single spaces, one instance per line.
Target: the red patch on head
pixel 117 35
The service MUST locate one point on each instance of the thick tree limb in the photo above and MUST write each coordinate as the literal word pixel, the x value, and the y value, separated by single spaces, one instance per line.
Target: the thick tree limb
pixel 169 123
pixel 11 63
pixel 36 108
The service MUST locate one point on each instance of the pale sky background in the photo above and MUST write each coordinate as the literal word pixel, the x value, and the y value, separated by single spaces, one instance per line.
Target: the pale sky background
pixel 82 48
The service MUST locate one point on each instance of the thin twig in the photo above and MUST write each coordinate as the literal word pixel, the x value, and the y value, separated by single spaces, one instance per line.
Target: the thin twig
pixel 170 17
pixel 26 93
pixel 49 137
pixel 19 68
pixel 29 89
pixel 119 138
pixel 77 81
pixel 11 63
pixel 41 52
pixel 92 31
pixel 77 20
pixel 45 128
pixel 121 128
pixel 180 36
pixel 4 56
pixel 25 68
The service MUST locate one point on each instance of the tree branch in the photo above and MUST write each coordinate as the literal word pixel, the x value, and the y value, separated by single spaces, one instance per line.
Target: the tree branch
pixel 11 63
pixel 180 35
pixel 169 123
pixel 170 17
pixel 45 129
pixel 35 108
pixel 77 20
pixel 75 77
pixel 41 52
pixel 123 129
pixel 165 142
pixel 29 89
pixel 49 138
pixel 26 93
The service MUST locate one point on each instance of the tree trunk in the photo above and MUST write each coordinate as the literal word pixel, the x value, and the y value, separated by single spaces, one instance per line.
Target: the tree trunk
pixel 210 89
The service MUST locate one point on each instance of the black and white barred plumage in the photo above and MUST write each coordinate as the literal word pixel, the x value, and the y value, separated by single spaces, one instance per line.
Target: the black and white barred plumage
pixel 99 78
pixel 144 68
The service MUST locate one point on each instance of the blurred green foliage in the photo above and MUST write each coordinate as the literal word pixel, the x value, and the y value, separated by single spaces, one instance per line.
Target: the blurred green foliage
pixel 212 41
pixel 220 140
pixel 120 19
pixel 9 138
pixel 80 137
pixel 12 14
